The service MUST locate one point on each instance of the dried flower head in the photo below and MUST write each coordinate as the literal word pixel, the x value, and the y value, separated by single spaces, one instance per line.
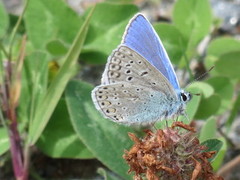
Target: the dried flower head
pixel 172 153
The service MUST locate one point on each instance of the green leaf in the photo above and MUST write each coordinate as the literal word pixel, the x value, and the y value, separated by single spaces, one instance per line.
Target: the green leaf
pixel 56 88
pixel 234 112
pixel 59 140
pixel 106 140
pixel 209 130
pixel 208 107
pixel 173 41
pixel 213 145
pixel 217 162
pixel 4 22
pixel 217 48
pixel 228 64
pixel 34 84
pixel 4 141
pixel 204 89
pixel 106 30
pixel 193 18
pixel 56 48
pixel 224 88
pixel 49 20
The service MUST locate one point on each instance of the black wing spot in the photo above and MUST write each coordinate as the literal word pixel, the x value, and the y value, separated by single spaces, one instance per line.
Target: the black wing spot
pixel 128 71
pixel 129 78
pixel 144 73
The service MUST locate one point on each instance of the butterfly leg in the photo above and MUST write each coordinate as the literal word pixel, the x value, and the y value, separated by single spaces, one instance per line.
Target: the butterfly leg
pixel 166 123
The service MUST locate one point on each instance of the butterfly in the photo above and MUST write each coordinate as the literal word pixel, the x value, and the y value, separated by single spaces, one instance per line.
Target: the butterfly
pixel 139 85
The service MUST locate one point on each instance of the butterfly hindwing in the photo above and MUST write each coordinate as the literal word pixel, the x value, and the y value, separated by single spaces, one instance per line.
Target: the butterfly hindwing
pixel 130 104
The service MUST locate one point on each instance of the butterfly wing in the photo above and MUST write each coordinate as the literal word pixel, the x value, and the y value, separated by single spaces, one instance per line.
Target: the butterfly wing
pixel 133 91
pixel 130 104
pixel 142 38
pixel 126 65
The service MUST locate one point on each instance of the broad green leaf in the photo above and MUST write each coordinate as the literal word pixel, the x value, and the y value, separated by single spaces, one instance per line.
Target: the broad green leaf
pixel 208 107
pixel 217 162
pixel 228 64
pixel 208 131
pixel 4 22
pixel 217 48
pixel 4 141
pixel 213 145
pixel 49 20
pixel 224 88
pixel 206 89
pixel 173 41
pixel 59 140
pixel 222 45
pixel 105 139
pixel 193 18
pixel 106 30
pixel 57 86
pixel 56 48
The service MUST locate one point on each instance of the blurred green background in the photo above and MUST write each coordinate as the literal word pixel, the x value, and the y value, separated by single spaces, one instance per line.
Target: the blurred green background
pixel 68 137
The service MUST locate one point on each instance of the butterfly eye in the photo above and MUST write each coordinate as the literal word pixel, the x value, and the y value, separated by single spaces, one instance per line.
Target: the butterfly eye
pixel 184 97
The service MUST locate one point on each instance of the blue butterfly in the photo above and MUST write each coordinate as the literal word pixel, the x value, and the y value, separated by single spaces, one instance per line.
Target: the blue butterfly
pixel 139 85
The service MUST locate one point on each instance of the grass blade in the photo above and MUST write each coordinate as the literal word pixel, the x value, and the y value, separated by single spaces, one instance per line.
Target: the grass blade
pixel 46 108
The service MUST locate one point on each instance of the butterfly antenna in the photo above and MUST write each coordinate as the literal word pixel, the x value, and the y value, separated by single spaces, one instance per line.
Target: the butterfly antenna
pixel 204 74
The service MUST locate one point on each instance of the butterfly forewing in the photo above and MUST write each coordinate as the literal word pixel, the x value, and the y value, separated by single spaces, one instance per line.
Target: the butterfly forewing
pixel 126 65
pixel 142 38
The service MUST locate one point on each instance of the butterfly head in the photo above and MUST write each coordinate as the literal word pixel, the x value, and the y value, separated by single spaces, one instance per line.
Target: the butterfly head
pixel 185 96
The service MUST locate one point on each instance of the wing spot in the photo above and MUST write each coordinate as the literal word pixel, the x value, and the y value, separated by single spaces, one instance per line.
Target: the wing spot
pixel 129 78
pixel 124 108
pixel 114 74
pixel 111 110
pixel 137 89
pixel 128 65
pixel 105 88
pixel 131 62
pixel 115 60
pixel 116 118
pixel 154 83
pixel 122 85
pixel 100 92
pixel 106 103
pixel 102 97
pixel 144 73
pixel 139 62
pixel 151 95
pixel 115 67
pixel 128 71
pixel 125 91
